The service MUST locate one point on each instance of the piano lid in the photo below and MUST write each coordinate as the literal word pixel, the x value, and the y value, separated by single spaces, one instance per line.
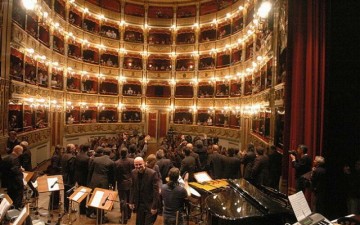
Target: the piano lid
pixel 230 205
pixel 263 202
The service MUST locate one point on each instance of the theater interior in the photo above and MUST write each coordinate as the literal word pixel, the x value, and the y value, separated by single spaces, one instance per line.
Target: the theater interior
pixel 267 72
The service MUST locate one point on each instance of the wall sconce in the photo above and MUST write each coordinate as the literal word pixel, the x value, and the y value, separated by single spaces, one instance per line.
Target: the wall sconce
pixel 171 108
pixel 264 9
pixel 193 109
pixel 144 81
pixel 143 107
pixel 172 82
pixel 29 4
pixel 120 107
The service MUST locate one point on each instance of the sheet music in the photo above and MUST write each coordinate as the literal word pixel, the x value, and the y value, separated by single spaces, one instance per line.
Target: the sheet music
pixel 79 194
pixel 300 206
pixel 21 215
pixel 4 206
pixel 51 181
pixel 202 177
pixel 97 199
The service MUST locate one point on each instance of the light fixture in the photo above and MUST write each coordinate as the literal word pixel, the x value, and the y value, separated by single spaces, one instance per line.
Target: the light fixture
pixel 264 9
pixel 29 4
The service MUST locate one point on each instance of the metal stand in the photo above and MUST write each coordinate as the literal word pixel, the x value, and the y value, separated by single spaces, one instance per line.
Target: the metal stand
pixel 99 211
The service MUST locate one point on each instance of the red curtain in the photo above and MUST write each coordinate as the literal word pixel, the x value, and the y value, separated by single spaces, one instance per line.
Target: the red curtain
pixel 163 124
pixel 305 80
pixel 152 127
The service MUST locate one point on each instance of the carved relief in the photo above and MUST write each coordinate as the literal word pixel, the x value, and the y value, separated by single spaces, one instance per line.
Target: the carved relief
pixel 84 129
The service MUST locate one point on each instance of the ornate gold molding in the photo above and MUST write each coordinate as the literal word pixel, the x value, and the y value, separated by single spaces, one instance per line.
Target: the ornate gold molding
pixel 101 128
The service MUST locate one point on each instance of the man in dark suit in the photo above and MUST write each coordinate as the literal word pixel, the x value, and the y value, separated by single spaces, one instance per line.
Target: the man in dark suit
pixel 12 172
pixel 302 164
pixel 231 165
pixel 188 164
pixel 248 160
pixel 101 174
pixel 275 162
pixel 260 171
pixel 81 171
pixel 195 155
pixel 11 142
pixel 215 163
pixel 68 165
pixel 25 162
pixel 164 164
pixel 123 168
pixel 144 194
pixel 319 184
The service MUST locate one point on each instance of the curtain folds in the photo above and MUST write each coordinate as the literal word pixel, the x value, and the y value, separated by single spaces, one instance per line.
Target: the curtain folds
pixel 305 80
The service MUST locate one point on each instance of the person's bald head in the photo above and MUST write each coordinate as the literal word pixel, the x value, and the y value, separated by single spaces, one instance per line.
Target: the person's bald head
pixel 215 148
pixel 70 148
pixel 17 150
pixel 190 146
pixel 24 144
pixel 139 164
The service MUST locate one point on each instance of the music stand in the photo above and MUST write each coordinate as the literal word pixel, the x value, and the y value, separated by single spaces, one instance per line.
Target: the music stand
pixel 5 205
pixel 102 199
pixel 27 176
pixel 78 196
pixel 22 216
pixel 50 184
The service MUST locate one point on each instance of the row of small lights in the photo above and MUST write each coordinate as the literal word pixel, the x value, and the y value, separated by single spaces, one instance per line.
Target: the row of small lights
pixel 42 103
pixel 256 65
pixel 262 13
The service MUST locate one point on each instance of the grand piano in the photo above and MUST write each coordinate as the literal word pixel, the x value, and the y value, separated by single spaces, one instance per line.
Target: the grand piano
pixel 243 203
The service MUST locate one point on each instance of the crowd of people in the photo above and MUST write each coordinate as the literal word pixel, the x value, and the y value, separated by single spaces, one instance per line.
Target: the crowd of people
pixel 150 185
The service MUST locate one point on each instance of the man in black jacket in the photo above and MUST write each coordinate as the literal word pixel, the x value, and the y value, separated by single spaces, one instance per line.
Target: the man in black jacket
pixel 81 171
pixel 14 176
pixel 164 164
pixel 215 163
pixel 275 162
pixel 144 196
pixel 101 173
pixel 123 168
pixel 302 164
pixel 68 165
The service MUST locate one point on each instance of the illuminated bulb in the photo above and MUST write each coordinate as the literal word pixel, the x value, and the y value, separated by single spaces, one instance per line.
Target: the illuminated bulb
pixel 101 17
pixel 196 25
pixel 45 14
pixel 264 9
pixel 145 26
pixel 259 58
pixel 86 10
pixel 30 50
pixel 71 1
pixel 241 8
pixel 122 22
pixel 29 4
pixel 56 25
pixel 214 21
pixel 228 15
